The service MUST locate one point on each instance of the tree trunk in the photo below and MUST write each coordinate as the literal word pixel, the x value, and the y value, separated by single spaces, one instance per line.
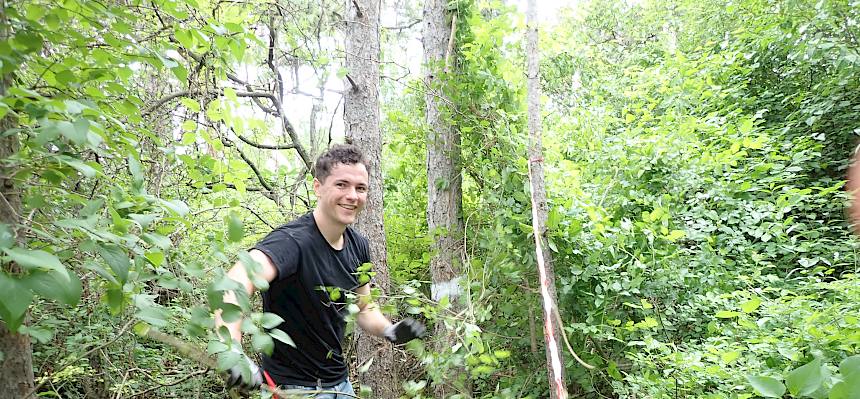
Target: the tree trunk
pixel 16 380
pixel 361 122
pixel 444 181
pixel 552 331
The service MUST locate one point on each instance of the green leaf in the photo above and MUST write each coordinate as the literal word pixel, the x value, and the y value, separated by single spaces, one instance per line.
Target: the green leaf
pixel 39 334
pixel 230 312
pixel 235 229
pixel 751 305
pixel 61 286
pixel 157 240
pixel 805 379
pixel 849 388
pixel 850 367
pixel 216 346
pixel 116 258
pixel 143 220
pixel 192 105
pixel 16 300
pixel 726 314
pixel 262 342
pixel 745 126
pixel 71 132
pixel 270 320
pixel 178 207
pixel 768 387
pixel 154 257
pixel 282 336
pixel 35 259
pixel 135 169
pixel 115 299
pixel 228 359
pixel 153 315
pixel 7 238
pixel 86 169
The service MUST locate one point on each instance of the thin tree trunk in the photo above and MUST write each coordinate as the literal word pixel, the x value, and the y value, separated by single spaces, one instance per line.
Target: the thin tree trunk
pixel 16 379
pixel 444 181
pixel 361 121
pixel 552 330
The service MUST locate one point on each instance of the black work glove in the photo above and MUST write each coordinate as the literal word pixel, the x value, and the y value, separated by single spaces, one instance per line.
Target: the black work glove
pixel 245 374
pixel 404 331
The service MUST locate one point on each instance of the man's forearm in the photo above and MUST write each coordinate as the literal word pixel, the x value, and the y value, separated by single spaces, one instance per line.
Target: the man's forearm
pixel 371 320
pixel 234 327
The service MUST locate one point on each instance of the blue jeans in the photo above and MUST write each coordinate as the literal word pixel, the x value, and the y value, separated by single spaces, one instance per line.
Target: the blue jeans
pixel 319 392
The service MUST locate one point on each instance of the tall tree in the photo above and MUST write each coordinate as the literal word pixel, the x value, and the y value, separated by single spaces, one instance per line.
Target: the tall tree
pixel 361 123
pixel 444 179
pixel 552 330
pixel 16 360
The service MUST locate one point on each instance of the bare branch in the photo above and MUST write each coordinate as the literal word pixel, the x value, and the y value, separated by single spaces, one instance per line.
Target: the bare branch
pixel 265 146
pixel 402 27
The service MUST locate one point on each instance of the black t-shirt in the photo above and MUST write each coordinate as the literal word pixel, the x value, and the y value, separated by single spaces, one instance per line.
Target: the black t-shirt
pixel 307 265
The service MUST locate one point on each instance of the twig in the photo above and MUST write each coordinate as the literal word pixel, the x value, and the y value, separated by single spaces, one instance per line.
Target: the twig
pixel 566 342
pixel 401 27
pixel 175 382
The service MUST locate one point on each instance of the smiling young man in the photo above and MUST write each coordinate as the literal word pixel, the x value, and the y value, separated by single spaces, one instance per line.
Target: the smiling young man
pixel 302 261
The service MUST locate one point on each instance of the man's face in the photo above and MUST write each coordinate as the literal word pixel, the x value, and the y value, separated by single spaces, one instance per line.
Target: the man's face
pixel 343 193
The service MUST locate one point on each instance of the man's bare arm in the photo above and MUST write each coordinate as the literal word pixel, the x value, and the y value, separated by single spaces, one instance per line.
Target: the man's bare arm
pixel 239 274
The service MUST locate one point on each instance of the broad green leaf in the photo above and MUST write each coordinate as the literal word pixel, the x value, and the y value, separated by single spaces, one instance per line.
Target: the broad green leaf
pixel 176 206
pixel 216 346
pixel 35 259
pixel 157 240
pixel 768 387
pixel 16 299
pixel 230 312
pixel 136 170
pixel 117 259
pixel 726 314
pixel 192 105
pixel 751 305
pixel 152 315
pixel 85 168
pixel 62 286
pixel 7 238
pixel 282 336
pixel 745 126
pixel 235 229
pixel 39 334
pixel 115 299
pixel 270 320
pixel 71 132
pixel 143 220
pixel 228 359
pixel 846 389
pixel 262 343
pixel 805 379
pixel 154 257
pixel 850 367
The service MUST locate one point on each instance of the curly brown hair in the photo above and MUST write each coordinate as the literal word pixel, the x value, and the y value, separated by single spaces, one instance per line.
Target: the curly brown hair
pixel 346 154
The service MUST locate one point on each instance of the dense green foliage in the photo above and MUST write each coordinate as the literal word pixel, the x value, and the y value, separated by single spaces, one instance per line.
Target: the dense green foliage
pixel 695 153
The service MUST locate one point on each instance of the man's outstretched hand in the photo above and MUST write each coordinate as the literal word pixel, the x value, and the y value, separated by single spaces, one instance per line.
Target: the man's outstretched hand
pixel 245 374
pixel 404 331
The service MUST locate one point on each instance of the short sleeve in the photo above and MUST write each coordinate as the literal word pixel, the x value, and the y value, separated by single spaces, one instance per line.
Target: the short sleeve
pixel 283 251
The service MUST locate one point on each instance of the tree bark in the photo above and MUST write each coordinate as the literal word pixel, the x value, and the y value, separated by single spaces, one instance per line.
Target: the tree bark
pixel 361 122
pixel 16 380
pixel 552 330
pixel 444 179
